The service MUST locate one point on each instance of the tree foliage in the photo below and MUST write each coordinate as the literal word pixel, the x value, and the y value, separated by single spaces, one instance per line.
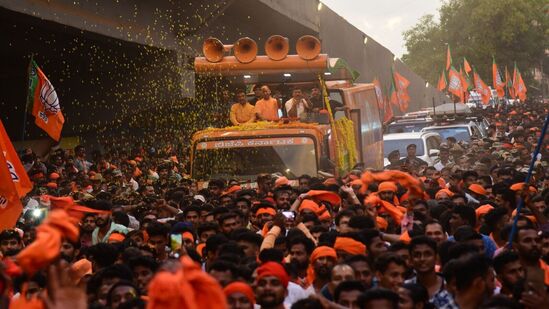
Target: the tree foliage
pixel 509 30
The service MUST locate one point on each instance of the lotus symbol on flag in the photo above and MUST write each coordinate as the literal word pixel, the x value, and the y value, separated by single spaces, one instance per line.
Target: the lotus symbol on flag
pixel 49 98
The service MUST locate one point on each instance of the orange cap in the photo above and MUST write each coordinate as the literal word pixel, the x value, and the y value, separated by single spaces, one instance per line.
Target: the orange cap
pixel 187 235
pixel 349 245
pixel 265 210
pixel 482 210
pixel 281 181
pixel 80 269
pixel 116 237
pixel 478 189
pixel 442 191
pixel 54 176
pixel 518 186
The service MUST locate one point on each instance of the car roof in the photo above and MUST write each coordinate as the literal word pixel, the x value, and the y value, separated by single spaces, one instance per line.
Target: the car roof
pixel 408 135
pixel 469 124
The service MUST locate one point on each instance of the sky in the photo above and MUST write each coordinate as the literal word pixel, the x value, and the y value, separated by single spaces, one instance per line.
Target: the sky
pixel 384 21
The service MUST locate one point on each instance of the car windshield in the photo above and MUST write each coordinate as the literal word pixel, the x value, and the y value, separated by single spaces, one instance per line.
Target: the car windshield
pixel 246 158
pixel 460 133
pixel 401 144
pixel 406 127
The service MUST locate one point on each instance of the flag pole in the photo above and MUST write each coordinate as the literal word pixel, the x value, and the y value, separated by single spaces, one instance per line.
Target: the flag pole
pixel 27 98
pixel 528 177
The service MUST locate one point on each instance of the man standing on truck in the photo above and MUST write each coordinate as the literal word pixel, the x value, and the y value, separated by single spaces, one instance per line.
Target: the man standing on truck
pixel 242 111
pixel 297 105
pixel 267 107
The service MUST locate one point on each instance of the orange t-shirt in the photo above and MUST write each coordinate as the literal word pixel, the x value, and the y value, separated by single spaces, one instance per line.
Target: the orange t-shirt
pixel 267 109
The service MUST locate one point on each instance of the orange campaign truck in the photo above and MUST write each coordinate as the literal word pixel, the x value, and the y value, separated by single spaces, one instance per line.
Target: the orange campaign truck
pixel 346 132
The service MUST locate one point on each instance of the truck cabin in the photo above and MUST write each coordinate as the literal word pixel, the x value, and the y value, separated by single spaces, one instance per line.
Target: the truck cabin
pixel 290 146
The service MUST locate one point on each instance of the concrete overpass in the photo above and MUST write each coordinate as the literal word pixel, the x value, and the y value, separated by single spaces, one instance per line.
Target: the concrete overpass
pixel 125 66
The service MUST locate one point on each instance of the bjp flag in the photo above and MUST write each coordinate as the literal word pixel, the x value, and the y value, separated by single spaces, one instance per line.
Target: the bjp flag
pixel 482 89
pixel 15 182
pixel 442 82
pixel 455 85
pixel 466 66
pixel 45 103
pixel 448 58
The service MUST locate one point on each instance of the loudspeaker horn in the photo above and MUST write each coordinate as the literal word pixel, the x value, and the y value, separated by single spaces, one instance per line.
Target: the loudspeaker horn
pixel 308 47
pixel 245 50
pixel 214 49
pixel 277 47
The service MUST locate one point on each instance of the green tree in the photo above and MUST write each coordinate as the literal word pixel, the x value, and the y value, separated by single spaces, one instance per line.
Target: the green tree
pixel 509 30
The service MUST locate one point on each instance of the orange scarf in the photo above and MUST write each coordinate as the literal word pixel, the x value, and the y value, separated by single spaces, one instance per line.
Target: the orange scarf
pixel 49 236
pixel 349 245
pixel 189 287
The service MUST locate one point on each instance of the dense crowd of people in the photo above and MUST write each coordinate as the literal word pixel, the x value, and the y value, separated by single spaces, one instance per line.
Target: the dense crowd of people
pixel 410 236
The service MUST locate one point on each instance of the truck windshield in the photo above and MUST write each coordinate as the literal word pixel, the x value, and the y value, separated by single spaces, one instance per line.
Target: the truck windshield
pixel 246 158
pixel 460 133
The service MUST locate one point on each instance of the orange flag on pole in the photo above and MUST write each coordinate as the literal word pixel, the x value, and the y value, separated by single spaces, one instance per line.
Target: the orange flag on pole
pixel 497 80
pixel 455 85
pixel 482 89
pixel 14 182
pixel 442 82
pixel 466 66
pixel 387 110
pixel 521 88
pixel 448 58
pixel 464 85
pixel 401 86
pixel 509 83
pixel 45 103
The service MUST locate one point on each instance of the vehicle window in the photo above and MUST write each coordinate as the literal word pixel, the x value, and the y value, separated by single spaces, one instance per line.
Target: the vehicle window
pixel 460 133
pixel 339 115
pixel 406 127
pixel 246 158
pixel 432 143
pixel 401 144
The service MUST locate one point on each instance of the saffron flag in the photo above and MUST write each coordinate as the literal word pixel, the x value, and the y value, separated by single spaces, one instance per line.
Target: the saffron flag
pixel 482 89
pixel 497 80
pixel 520 88
pixel 45 103
pixel 448 58
pixel 455 85
pixel 509 83
pixel 464 84
pixel 401 86
pixel 442 82
pixel 379 93
pixel 15 182
pixel 387 110
pixel 466 66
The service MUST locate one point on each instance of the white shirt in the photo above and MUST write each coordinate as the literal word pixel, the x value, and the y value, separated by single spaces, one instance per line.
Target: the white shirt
pixel 300 106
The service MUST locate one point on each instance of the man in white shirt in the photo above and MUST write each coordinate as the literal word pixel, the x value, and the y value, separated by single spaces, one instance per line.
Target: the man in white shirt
pixel 297 105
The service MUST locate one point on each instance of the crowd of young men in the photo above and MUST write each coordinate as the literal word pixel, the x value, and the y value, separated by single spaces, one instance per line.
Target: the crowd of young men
pixel 149 236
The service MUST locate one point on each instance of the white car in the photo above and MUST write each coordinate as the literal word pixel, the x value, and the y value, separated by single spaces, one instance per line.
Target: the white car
pixel 427 145
pixel 461 131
